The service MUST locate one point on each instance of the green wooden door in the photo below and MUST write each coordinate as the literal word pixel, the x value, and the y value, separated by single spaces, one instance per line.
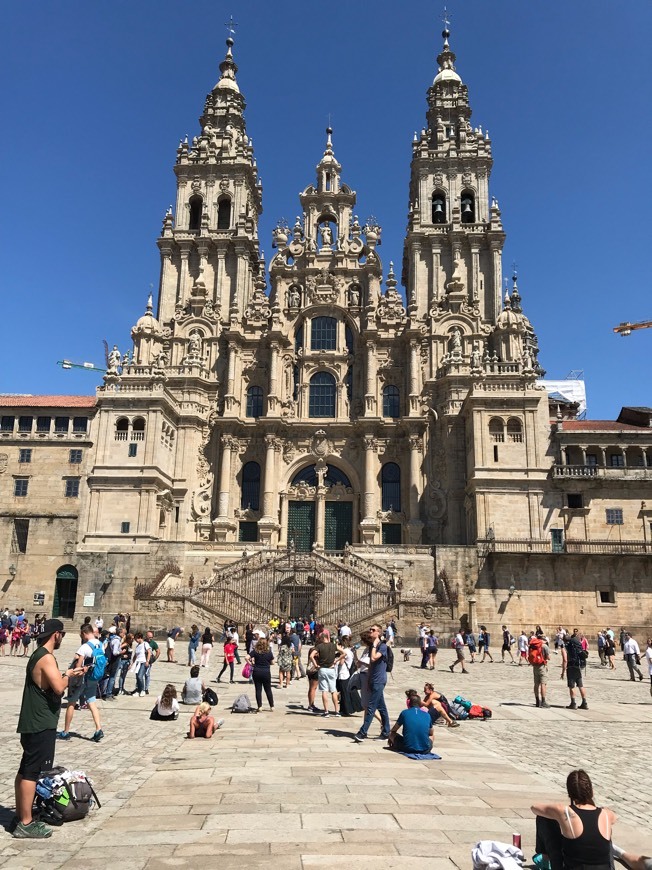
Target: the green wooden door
pixel 65 593
pixel 301 524
pixel 339 525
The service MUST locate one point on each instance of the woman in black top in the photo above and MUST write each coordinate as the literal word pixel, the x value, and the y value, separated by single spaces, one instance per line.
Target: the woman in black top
pixel 262 658
pixel 575 837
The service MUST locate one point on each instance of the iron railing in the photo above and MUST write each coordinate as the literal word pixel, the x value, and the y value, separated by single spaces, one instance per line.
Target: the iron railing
pixel 568 545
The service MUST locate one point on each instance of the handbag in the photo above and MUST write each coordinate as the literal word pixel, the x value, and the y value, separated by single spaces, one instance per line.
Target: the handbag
pixel 247 671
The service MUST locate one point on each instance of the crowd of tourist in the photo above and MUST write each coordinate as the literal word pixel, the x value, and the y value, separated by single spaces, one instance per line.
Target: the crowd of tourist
pixel 347 675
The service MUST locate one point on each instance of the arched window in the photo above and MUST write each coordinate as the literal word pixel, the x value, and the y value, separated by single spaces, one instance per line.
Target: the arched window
pixel 295 383
pixel 391 487
pixel 224 213
pixel 138 429
pixel 348 381
pixel 309 475
pixel 322 395
pixel 298 338
pixel 468 207
pixel 514 429
pixel 122 429
pixel 255 402
pixel 323 335
pixel 250 493
pixel 348 340
pixel 438 207
pixel 391 401
pixel 497 430
pixel 196 204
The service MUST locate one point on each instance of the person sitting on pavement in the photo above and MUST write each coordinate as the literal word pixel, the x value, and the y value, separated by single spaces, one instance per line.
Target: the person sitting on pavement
pixel 575 836
pixel 418 730
pixel 193 689
pixel 202 723
pixel 432 703
pixel 634 862
pixel 166 708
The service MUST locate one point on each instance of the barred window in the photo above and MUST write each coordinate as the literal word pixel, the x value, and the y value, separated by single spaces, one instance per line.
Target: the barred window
pixel 323 335
pixel 614 516
pixel 250 492
pixel 391 402
pixel 322 395
pixel 391 487
pixel 255 402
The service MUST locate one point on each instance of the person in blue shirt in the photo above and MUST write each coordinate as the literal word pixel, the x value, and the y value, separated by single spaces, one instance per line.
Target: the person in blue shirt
pixel 377 678
pixel 418 729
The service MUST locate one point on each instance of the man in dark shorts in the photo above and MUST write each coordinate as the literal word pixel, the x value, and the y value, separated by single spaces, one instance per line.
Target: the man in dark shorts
pixel 37 725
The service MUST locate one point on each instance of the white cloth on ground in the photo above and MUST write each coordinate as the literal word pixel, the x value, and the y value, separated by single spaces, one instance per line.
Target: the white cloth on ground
pixel 494 855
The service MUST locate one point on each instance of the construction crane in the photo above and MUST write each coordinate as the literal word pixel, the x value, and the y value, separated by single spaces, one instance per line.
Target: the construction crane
pixel 627 328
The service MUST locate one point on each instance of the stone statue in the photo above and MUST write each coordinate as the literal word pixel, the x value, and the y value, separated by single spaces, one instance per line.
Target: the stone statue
pixel 475 357
pixel 456 341
pixel 194 345
pixel 326 235
pixel 294 297
pixel 126 359
pixel 161 359
pixel 114 360
pixel 355 296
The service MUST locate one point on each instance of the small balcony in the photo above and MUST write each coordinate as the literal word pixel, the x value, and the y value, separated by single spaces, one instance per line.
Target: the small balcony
pixel 616 472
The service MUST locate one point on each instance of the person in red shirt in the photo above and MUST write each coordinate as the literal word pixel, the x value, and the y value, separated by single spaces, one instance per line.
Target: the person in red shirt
pixel 229 657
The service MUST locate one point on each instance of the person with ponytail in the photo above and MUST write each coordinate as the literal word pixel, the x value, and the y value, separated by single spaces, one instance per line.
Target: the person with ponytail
pixel 574 836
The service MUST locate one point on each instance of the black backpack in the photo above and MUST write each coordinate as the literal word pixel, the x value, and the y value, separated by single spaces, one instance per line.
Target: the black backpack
pixel 210 697
pixel 58 802
pixel 574 653
pixel 389 658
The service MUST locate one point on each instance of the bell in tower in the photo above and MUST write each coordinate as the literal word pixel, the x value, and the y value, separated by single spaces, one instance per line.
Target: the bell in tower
pixel 438 208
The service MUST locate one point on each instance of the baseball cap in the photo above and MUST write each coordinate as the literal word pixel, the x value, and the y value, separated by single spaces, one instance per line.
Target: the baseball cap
pixel 50 626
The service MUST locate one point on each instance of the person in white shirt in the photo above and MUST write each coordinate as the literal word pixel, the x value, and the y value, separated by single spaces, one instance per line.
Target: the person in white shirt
pixel 87 689
pixel 99 623
pixel 139 660
pixel 345 630
pixel 632 656
pixel 523 642
pixel 167 706
pixel 389 634
pixel 459 649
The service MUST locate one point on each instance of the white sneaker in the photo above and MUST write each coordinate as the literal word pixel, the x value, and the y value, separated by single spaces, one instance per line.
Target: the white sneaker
pixel 142 695
pixel 220 722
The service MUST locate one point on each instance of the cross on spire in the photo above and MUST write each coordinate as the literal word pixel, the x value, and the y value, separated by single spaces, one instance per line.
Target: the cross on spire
pixel 230 26
pixel 445 18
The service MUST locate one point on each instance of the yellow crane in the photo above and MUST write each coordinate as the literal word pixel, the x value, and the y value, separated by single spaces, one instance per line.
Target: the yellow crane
pixel 627 328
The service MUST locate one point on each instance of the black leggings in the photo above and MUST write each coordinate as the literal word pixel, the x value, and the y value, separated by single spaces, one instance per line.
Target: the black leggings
pixel 224 667
pixel 263 680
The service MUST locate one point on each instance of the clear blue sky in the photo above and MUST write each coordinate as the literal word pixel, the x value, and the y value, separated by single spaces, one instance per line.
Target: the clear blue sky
pixel 96 96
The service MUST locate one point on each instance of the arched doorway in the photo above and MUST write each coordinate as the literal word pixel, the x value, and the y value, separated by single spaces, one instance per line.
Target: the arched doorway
pixel 320 508
pixel 65 592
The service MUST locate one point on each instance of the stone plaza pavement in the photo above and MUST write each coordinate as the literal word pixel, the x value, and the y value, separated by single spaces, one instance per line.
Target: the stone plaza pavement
pixel 292 788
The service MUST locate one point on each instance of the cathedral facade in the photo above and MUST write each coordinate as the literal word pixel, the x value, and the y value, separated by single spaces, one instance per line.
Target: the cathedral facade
pixel 309 406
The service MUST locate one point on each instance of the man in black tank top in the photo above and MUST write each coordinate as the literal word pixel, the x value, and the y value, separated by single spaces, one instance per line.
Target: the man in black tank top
pixel 37 725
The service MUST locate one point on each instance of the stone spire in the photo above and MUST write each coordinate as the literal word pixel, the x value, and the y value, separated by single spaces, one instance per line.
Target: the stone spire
pixel 328 169
pixel 225 104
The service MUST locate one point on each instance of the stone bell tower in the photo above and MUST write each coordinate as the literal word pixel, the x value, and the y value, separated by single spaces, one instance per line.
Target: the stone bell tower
pixel 452 271
pixel 154 476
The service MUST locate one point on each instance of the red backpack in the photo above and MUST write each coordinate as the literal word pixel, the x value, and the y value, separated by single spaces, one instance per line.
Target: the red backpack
pixel 535 653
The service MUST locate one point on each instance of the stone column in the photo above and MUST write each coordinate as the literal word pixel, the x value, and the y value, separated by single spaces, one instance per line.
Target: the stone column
pixel 283 539
pixel 272 399
pixel 497 277
pixel 475 273
pixel 369 525
pixel 415 525
pixel 225 477
pixel 436 270
pixel 370 393
pixel 320 516
pixel 229 398
pixel 271 446
pixel 268 525
pixel 183 274
pixel 220 277
pixel 414 378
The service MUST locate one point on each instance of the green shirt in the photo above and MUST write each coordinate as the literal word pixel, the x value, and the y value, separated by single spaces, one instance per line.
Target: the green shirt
pixel 154 648
pixel 40 708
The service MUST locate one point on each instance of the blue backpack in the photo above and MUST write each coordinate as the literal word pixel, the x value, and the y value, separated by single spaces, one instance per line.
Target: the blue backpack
pixel 99 663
